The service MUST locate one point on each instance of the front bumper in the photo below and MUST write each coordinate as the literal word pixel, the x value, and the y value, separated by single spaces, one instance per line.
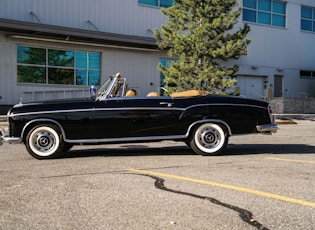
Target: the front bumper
pixel 5 138
pixel 268 128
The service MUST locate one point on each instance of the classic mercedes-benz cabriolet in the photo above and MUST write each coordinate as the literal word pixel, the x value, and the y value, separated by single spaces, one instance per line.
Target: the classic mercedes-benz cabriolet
pixel 115 114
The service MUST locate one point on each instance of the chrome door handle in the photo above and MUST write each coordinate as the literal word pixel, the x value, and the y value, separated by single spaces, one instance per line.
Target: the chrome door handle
pixel 169 104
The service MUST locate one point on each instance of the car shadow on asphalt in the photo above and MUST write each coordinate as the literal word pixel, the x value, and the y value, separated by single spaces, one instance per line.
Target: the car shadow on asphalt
pixel 247 149
pixel 232 149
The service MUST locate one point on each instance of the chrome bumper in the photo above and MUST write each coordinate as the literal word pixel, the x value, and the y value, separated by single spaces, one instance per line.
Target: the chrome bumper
pixel 268 128
pixel 4 137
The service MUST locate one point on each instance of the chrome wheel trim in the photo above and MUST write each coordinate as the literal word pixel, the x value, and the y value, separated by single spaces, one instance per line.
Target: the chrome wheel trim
pixel 44 141
pixel 209 138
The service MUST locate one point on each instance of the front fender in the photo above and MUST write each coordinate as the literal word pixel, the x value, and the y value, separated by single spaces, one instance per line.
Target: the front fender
pixel 41 120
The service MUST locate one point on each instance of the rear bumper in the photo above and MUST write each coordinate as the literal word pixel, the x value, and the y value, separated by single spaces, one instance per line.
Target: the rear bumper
pixel 268 128
pixel 5 138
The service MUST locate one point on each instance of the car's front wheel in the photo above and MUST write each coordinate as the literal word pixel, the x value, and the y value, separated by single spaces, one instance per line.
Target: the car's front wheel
pixel 208 139
pixel 44 141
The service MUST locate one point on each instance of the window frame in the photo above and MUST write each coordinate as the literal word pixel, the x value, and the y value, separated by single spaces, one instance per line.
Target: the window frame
pixel 48 67
pixel 272 14
pixel 155 6
pixel 311 20
pixel 310 74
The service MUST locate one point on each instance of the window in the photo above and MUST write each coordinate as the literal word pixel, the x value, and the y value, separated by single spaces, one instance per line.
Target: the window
pixel 267 12
pixel 308 19
pixel 49 66
pixel 167 64
pixel 307 74
pixel 157 3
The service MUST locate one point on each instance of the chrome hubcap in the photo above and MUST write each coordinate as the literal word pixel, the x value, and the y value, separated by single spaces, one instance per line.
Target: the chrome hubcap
pixel 44 141
pixel 209 138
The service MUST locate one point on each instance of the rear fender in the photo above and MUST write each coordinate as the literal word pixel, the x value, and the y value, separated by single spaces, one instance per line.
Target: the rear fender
pixel 215 121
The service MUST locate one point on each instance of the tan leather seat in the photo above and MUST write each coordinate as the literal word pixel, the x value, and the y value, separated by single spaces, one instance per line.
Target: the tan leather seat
pixel 131 93
pixel 190 93
pixel 153 94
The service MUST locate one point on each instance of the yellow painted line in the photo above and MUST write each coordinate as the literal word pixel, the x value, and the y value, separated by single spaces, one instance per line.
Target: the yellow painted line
pixel 291 160
pixel 231 187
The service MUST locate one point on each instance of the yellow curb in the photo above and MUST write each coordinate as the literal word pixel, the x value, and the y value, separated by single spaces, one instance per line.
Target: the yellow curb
pixel 286 122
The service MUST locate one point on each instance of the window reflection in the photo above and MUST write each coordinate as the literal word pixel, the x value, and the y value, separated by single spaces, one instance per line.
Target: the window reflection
pixel 268 12
pixel 61 67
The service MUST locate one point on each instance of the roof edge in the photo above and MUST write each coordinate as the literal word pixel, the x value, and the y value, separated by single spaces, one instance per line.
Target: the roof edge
pixel 74 34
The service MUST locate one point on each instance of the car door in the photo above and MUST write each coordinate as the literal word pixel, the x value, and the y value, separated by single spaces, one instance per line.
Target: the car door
pixel 130 117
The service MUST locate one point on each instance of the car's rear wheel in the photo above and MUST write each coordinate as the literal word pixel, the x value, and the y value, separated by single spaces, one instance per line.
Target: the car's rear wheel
pixel 208 139
pixel 44 141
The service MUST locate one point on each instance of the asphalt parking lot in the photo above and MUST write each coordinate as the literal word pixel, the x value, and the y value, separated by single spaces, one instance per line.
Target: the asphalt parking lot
pixel 261 182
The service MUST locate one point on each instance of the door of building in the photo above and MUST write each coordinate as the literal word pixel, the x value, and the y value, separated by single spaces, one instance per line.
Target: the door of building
pixel 278 86
pixel 251 86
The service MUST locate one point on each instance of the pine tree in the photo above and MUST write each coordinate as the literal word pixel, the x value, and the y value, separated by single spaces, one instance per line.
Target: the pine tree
pixel 200 35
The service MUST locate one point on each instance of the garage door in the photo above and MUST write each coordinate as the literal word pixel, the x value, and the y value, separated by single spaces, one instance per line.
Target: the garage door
pixel 251 86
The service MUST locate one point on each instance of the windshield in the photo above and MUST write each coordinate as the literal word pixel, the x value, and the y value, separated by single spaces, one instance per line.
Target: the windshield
pixel 102 90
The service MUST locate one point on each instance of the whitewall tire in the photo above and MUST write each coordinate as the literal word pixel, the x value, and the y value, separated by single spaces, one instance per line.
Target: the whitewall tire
pixel 208 139
pixel 44 141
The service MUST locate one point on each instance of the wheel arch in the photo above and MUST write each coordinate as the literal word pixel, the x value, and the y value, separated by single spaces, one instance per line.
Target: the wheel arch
pixel 215 121
pixel 29 125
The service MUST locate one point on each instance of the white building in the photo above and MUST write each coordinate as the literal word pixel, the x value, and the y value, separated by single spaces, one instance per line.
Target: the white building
pixel 57 48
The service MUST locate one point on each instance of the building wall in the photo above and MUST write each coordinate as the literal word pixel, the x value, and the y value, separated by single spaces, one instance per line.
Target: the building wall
pixel 140 68
pixel 114 16
pixel 273 51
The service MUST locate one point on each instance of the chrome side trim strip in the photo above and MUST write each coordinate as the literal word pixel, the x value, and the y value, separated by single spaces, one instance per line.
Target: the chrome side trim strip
pixel 131 108
pixel 126 139
pixel 93 109
pixel 148 138
pixel 228 104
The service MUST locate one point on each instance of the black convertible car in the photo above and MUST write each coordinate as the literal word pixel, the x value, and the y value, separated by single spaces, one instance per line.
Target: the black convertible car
pixel 115 114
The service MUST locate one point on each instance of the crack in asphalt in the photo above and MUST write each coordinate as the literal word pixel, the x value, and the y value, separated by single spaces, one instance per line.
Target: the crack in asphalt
pixel 244 214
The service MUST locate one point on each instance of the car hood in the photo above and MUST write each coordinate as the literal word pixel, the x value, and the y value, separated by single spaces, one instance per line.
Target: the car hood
pixel 52 105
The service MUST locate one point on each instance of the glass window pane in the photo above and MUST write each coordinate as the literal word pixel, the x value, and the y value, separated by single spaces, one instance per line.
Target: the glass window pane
pixel 81 59
pixel 149 2
pixel 94 77
pixel 278 20
pixel 60 58
pixel 29 55
pixel 306 25
pixel 278 7
pixel 264 5
pixel 81 77
pixel 60 76
pixel 313 13
pixel 166 3
pixel 306 12
pixel 313 26
pixel 249 15
pixel 249 4
pixel 94 61
pixel 264 18
pixel 31 74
